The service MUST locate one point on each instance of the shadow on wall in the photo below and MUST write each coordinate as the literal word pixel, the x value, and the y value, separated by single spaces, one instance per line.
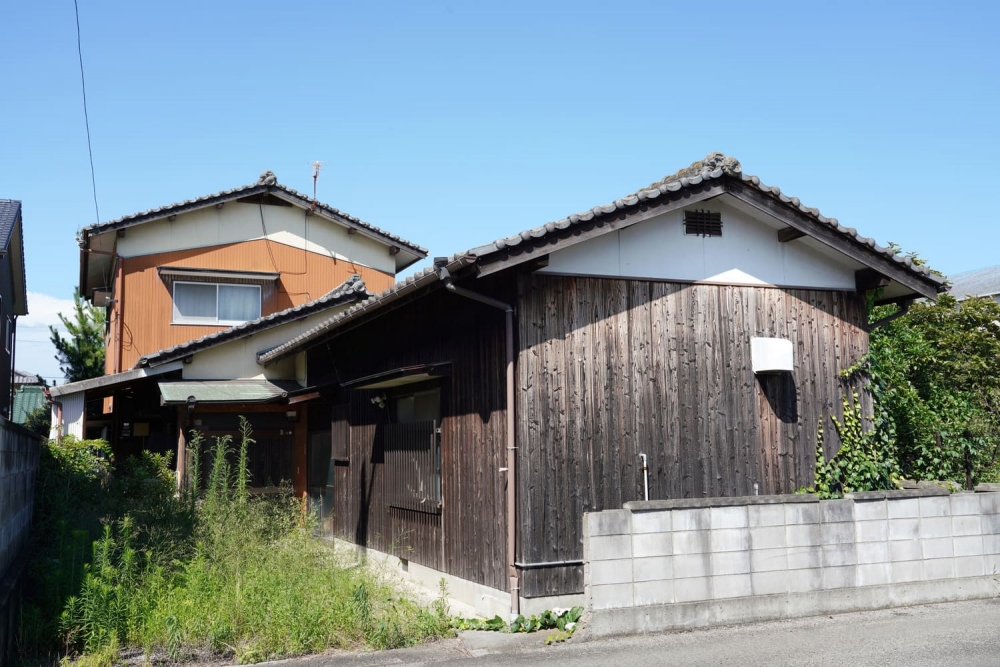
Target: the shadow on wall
pixel 781 393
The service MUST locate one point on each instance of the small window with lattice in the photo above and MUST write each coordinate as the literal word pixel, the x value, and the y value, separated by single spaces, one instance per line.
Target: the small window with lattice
pixel 702 223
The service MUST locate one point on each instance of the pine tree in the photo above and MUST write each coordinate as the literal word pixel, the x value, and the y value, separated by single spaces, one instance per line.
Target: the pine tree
pixel 81 353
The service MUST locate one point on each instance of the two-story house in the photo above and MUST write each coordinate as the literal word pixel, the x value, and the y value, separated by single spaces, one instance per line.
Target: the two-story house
pixel 193 291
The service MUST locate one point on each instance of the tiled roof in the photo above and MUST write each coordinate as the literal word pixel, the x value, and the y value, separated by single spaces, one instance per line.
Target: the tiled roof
pixel 350 290
pixel 266 183
pixel 27 400
pixel 981 282
pixel 714 166
pixel 9 211
pixel 23 377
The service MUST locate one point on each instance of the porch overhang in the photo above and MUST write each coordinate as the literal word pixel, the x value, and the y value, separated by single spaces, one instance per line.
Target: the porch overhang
pixel 399 376
pixel 185 392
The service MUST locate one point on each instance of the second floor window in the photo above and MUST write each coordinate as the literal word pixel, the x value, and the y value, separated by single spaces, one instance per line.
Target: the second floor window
pixel 215 303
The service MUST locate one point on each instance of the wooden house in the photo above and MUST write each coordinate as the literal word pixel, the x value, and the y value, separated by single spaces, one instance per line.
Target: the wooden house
pixel 682 341
pixel 193 291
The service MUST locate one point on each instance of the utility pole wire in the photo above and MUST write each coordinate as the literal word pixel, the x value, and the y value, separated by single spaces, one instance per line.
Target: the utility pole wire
pixel 86 117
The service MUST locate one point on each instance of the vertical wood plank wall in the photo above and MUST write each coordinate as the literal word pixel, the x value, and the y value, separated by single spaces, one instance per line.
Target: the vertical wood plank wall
pixel 609 369
pixel 148 303
pixel 468 538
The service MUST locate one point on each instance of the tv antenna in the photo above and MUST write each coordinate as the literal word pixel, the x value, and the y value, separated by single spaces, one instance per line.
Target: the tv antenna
pixel 317 165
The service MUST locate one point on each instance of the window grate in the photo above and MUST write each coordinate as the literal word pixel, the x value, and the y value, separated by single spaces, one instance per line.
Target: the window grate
pixel 702 223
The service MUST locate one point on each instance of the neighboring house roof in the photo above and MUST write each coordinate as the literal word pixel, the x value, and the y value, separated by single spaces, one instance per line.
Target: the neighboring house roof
pixel 12 228
pixel 26 400
pixel 352 289
pixel 707 178
pixel 108 382
pixel 10 209
pixel 267 183
pixel 981 282
pixel 23 377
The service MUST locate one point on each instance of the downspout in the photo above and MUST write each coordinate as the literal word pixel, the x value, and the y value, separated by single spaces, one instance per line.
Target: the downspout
pixel 59 414
pixel 515 588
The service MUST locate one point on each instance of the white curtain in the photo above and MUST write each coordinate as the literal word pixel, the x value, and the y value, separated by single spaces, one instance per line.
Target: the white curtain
pixel 239 303
pixel 194 302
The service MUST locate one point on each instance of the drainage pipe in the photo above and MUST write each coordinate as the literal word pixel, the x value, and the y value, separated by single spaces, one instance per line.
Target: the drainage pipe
pixel 515 589
pixel 645 478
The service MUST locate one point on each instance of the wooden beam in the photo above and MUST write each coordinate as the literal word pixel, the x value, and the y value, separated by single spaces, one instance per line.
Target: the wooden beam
pixel 869 279
pixel 829 237
pixel 789 234
pixel 303 398
pixel 672 201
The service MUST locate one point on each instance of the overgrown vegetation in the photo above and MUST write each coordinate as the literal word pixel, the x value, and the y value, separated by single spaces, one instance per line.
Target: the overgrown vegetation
pixel 866 460
pixel 936 374
pixel 934 379
pixel 39 421
pixel 214 571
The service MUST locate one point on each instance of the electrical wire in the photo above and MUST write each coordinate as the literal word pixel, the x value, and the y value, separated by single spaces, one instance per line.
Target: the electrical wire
pixel 86 116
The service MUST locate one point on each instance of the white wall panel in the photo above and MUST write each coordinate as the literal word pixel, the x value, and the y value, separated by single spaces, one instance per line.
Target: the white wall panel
pixel 748 252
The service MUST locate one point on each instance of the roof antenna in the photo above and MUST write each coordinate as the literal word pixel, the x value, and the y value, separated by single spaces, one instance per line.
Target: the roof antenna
pixel 317 165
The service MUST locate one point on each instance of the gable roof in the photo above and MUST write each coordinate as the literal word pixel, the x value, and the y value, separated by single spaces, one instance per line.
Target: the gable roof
pixel 352 289
pixel 12 229
pixel 981 282
pixel 704 179
pixel 267 183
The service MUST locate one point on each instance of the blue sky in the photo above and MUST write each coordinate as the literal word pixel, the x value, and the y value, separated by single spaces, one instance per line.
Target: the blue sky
pixel 452 124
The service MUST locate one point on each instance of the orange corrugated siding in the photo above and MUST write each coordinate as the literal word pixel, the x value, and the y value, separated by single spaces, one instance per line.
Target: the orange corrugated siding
pixel 148 305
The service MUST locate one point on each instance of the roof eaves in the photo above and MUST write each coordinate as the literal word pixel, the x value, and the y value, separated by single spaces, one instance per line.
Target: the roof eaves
pixel 266 183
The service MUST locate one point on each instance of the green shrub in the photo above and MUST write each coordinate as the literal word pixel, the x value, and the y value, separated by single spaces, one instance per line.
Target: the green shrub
pixel 229 573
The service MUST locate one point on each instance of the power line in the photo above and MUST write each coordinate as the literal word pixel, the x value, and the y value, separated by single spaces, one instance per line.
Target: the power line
pixel 86 117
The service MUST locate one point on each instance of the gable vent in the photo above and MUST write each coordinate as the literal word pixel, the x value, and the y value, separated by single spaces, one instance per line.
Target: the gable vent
pixel 702 223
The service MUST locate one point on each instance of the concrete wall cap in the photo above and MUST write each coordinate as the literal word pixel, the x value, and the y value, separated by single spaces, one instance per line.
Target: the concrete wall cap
pixel 923 492
pixel 697 503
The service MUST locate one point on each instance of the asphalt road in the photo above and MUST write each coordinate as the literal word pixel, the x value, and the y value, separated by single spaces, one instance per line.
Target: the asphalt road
pixel 953 634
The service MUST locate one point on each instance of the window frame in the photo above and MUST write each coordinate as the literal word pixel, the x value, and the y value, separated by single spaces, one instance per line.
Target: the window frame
pixel 225 323
pixel 9 335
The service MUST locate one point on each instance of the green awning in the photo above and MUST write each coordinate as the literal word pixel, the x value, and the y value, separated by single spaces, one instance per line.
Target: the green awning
pixel 178 392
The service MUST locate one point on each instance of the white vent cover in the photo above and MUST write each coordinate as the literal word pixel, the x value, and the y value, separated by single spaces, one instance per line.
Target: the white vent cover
pixel 771 355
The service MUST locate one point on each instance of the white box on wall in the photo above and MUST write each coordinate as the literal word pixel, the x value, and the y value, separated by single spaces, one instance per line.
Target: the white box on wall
pixel 771 355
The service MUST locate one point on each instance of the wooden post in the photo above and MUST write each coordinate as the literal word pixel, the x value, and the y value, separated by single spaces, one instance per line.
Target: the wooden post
pixel 181 449
pixel 968 469
pixel 300 437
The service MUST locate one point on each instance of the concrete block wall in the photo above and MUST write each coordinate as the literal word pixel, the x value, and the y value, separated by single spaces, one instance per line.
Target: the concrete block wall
pixel 728 560
pixel 19 455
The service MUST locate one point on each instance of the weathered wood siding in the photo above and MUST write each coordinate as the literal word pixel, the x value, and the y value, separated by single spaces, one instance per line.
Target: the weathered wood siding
pixel 467 538
pixel 609 369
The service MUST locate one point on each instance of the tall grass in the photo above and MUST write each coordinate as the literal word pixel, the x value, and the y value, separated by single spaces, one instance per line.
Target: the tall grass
pixel 247 580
